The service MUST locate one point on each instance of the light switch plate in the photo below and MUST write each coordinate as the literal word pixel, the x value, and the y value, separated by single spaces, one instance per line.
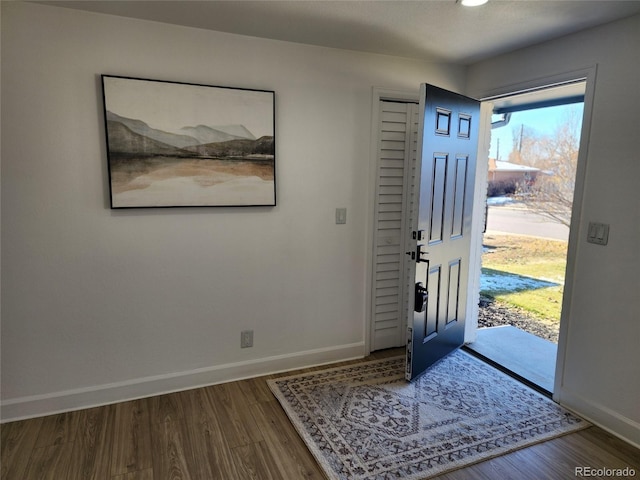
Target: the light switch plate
pixel 598 233
pixel 341 216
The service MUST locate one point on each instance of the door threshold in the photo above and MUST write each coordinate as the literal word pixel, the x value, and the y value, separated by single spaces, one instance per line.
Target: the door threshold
pixel 520 354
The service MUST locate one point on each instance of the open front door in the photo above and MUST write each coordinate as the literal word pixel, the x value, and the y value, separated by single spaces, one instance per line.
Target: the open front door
pixel 447 147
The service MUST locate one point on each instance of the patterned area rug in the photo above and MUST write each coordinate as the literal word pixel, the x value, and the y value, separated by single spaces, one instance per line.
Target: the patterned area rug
pixel 364 421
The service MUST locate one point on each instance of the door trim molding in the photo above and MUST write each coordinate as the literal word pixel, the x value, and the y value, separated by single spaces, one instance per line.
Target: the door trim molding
pixel 588 75
pixel 537 83
pixel 477 223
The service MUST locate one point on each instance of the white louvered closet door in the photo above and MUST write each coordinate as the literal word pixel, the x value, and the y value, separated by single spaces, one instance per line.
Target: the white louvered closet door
pixel 394 204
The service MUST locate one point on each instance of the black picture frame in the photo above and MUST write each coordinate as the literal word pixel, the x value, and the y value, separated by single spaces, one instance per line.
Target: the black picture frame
pixel 175 144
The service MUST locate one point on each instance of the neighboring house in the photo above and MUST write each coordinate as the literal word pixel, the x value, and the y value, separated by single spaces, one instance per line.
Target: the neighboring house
pixel 506 176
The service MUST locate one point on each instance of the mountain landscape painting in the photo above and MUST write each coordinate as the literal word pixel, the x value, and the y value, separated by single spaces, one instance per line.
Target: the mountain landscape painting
pixel 184 145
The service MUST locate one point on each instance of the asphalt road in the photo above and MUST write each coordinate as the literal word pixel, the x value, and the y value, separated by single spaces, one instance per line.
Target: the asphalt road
pixel 506 219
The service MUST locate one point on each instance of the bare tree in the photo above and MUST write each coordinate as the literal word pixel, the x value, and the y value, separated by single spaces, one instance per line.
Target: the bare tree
pixel 551 195
pixel 528 146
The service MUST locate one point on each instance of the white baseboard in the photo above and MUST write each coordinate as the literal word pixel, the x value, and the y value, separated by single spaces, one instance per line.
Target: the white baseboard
pixel 605 418
pixel 47 404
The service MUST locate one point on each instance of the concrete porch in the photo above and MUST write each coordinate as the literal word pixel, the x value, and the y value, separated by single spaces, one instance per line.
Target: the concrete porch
pixel 529 358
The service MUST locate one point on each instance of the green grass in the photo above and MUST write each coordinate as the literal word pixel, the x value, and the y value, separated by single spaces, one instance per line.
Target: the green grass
pixel 529 257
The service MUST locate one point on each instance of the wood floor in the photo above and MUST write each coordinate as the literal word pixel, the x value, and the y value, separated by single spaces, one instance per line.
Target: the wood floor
pixel 238 431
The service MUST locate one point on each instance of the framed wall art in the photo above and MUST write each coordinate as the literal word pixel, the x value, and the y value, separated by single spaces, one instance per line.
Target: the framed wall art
pixel 175 144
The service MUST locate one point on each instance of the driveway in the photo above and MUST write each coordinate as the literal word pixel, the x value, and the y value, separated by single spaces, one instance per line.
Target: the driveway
pixel 518 220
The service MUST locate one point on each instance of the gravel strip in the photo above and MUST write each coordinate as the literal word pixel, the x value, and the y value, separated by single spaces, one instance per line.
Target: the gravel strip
pixel 493 314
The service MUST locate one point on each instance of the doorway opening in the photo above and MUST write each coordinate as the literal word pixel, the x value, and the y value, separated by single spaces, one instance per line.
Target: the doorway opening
pixel 533 159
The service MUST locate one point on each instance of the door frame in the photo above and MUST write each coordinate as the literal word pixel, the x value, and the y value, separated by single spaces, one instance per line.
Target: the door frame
pixel 478 222
pixel 588 75
pixel 477 227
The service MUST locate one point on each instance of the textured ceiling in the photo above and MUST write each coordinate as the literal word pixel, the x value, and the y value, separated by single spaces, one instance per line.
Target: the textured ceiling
pixel 432 30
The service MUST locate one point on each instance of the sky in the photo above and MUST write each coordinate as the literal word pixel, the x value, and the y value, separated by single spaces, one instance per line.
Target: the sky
pixel 542 120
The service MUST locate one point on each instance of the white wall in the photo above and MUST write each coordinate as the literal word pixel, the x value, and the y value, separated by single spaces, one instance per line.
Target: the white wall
pixel 600 375
pixel 101 305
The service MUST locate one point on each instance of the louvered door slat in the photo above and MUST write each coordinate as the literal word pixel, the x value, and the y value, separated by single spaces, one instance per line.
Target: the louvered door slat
pixel 396 149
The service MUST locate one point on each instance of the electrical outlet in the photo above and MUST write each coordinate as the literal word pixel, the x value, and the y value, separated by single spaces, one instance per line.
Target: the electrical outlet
pixel 341 216
pixel 246 339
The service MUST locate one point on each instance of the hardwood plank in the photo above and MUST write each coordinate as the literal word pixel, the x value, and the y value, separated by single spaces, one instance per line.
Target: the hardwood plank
pixel 131 437
pixel 214 450
pixel 50 462
pixel 210 456
pixel 599 440
pixel 254 462
pixel 580 451
pixel 139 475
pixel 56 429
pixel 287 449
pixel 92 445
pixel 556 458
pixel 17 440
pixel 489 470
pixel 168 443
pixel 256 390
pixel 231 409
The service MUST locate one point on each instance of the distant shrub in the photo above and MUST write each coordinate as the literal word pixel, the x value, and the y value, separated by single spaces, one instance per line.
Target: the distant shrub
pixel 498 189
